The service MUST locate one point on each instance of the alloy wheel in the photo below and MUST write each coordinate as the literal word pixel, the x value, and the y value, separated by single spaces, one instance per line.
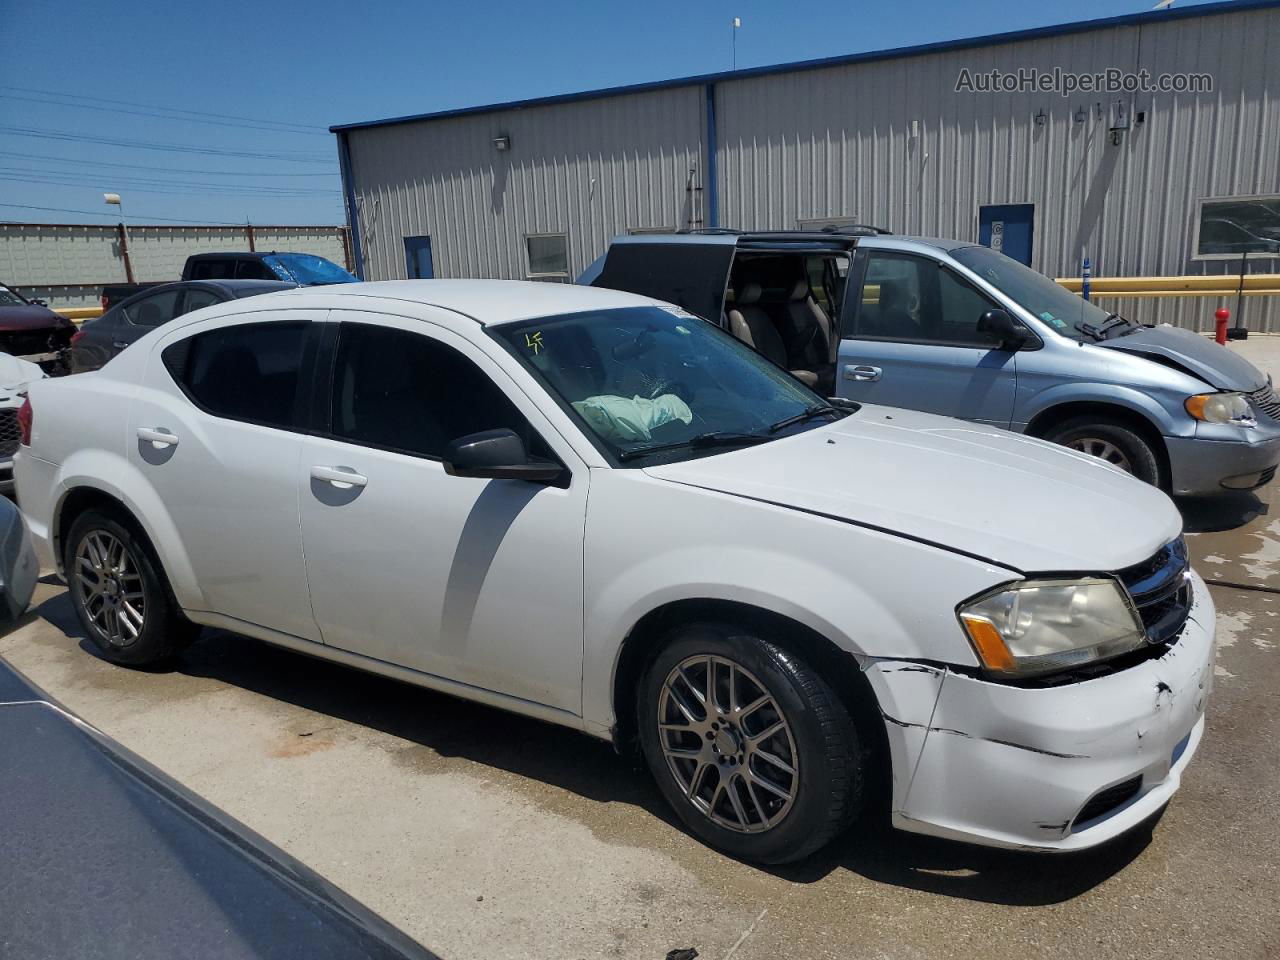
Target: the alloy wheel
pixel 1103 450
pixel 727 744
pixel 110 588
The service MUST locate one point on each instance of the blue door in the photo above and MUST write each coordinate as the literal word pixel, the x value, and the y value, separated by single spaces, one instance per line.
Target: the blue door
pixel 914 341
pixel 1008 228
pixel 417 258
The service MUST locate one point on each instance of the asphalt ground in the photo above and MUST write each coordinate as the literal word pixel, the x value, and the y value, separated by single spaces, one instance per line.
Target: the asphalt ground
pixel 484 835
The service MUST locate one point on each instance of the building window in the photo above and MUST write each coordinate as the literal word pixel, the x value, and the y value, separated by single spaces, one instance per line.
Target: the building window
pixel 1227 228
pixel 548 255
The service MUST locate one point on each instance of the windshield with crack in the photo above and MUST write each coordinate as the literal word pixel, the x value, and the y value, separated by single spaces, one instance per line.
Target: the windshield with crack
pixel 655 384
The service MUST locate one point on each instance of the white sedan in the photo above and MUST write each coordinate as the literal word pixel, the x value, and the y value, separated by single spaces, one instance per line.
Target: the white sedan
pixel 596 510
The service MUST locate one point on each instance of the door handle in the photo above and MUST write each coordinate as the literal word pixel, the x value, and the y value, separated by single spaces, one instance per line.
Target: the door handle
pixel 119 344
pixel 158 437
pixel 344 478
pixel 861 372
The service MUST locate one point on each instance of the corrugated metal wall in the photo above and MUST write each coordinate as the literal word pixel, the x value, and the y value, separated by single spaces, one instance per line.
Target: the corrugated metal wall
pixel 590 169
pixel 68 265
pixel 838 141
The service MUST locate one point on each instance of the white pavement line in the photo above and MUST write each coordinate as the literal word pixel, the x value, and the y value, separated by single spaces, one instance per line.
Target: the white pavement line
pixel 746 933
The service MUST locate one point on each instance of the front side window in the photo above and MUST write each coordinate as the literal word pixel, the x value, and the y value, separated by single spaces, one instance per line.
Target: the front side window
pixel 654 384
pixel 548 255
pixel 913 299
pixel 254 270
pixel 404 391
pixel 154 310
pixel 247 372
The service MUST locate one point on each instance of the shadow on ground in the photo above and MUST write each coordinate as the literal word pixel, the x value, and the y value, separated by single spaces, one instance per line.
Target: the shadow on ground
pixel 581 765
pixel 1220 513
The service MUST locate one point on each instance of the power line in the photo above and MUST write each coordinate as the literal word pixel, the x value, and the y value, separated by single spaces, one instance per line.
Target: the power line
pixel 160 116
pixel 301 127
pixel 135 217
pixel 18 175
pixel 142 166
pixel 168 147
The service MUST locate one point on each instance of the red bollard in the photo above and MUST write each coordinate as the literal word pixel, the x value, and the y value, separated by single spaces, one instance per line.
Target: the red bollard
pixel 1221 315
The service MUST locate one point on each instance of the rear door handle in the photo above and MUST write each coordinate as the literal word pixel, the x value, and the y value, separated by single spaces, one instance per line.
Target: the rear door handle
pixel 861 372
pixel 158 437
pixel 119 344
pixel 344 478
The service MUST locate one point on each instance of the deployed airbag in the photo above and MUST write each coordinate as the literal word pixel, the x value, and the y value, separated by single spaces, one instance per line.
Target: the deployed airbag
pixel 628 420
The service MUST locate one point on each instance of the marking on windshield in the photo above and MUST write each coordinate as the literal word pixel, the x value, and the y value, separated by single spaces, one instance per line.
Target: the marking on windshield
pixel 534 341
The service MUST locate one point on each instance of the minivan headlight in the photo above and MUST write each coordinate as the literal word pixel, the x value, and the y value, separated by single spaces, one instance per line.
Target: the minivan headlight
pixel 1221 408
pixel 1042 626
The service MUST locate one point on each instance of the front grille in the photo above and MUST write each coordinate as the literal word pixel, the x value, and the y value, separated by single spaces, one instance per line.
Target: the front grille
pixel 10 433
pixel 1161 590
pixel 1266 401
pixel 1105 801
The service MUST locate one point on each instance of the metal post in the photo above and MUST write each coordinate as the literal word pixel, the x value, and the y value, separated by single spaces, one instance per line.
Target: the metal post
pixel 248 231
pixel 124 251
pixel 1244 258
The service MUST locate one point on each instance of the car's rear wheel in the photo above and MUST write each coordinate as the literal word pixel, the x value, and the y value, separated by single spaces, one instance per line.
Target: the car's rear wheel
pixel 750 746
pixel 119 593
pixel 1113 441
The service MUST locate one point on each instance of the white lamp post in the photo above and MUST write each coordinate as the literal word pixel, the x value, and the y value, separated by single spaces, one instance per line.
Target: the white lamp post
pixel 113 199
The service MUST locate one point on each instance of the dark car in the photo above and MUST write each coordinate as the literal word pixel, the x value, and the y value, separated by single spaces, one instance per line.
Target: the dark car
pixel 303 269
pixel 101 339
pixel 30 330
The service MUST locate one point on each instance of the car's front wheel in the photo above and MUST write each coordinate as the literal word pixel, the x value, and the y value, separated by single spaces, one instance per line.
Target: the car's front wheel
pixel 751 747
pixel 119 593
pixel 1113 441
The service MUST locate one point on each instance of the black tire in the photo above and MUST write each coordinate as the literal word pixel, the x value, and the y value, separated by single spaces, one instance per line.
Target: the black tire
pixel 828 783
pixel 1088 434
pixel 164 631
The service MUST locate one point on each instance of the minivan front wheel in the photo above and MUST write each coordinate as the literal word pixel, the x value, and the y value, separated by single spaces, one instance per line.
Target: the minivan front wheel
pixel 750 746
pixel 1110 440
pixel 120 596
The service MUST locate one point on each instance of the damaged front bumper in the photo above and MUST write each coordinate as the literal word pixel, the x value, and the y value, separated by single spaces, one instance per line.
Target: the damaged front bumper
pixel 1053 768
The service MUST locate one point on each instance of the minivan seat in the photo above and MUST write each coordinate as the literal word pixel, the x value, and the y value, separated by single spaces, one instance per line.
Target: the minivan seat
pixel 810 330
pixel 750 323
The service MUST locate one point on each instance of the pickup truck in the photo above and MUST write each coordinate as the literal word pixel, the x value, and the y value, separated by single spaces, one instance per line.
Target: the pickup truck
pixel 300 269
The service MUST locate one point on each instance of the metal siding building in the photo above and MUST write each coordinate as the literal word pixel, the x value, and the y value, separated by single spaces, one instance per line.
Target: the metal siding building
pixel 881 138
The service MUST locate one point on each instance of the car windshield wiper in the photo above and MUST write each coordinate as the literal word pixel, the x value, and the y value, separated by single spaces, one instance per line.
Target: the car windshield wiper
pixel 1113 322
pixel 817 410
pixel 718 438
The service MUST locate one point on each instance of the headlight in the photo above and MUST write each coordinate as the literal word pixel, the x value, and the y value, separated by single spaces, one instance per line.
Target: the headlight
pixel 1042 626
pixel 1221 408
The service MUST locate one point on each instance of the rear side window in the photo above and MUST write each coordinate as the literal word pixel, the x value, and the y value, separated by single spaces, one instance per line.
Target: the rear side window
pixel 199 299
pixel 409 393
pixel 254 270
pixel 154 310
pixel 249 372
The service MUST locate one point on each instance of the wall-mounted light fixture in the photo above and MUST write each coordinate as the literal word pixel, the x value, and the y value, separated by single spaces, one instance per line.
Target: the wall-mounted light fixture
pixel 502 143
pixel 1041 117
pixel 1081 116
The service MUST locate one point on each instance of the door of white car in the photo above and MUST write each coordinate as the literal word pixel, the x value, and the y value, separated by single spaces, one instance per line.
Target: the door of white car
pixel 213 429
pixel 478 581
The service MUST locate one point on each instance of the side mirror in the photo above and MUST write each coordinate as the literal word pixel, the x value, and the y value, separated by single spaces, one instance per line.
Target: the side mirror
pixel 1002 328
pixel 496 455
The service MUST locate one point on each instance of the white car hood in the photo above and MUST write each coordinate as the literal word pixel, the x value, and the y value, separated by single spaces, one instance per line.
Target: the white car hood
pixel 16 373
pixel 1000 496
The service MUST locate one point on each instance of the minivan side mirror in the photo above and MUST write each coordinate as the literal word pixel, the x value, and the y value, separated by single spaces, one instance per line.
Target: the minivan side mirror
pixel 496 455
pixel 1002 328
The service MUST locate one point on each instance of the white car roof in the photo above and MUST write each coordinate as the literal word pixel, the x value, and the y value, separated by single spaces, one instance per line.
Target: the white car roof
pixel 488 302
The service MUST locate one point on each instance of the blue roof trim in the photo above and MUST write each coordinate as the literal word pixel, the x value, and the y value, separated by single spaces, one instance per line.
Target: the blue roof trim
pixel 1016 36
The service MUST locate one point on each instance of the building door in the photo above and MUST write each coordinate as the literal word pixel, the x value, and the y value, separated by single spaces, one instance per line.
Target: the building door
pixel 1008 228
pixel 417 257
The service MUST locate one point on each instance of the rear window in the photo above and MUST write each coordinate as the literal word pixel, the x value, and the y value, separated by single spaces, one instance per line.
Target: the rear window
pixel 250 372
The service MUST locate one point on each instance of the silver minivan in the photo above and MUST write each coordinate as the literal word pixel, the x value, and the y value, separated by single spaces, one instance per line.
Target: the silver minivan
pixel 955 328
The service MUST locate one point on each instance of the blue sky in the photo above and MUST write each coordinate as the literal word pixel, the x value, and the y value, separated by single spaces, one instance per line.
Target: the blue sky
pixel 71 66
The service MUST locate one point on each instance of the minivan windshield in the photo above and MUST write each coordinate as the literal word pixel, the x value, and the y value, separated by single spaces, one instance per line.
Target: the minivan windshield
pixel 1059 308
pixel 657 384
pixel 307 269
